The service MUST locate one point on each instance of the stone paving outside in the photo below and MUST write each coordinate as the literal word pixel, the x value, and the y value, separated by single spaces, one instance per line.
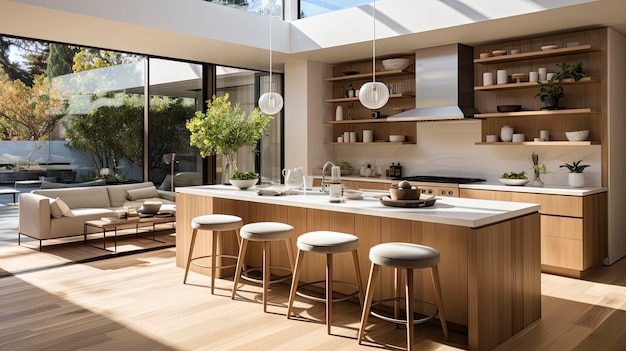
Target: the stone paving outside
pixel 9 215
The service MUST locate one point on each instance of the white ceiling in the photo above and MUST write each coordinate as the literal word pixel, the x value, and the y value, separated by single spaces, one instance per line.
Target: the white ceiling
pixel 166 28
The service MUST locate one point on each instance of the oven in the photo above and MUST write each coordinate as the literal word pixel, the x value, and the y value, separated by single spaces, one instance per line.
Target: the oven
pixel 440 185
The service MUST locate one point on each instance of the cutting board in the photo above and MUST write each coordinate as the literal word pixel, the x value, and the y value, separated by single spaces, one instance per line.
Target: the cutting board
pixel 424 201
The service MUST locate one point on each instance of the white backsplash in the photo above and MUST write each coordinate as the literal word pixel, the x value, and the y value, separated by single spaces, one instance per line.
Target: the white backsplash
pixel 448 148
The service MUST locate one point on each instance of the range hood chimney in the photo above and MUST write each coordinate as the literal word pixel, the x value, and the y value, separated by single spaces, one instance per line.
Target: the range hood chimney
pixel 444 78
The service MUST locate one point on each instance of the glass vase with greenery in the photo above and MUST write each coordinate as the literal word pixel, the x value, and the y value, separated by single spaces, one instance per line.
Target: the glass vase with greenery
pixel 224 129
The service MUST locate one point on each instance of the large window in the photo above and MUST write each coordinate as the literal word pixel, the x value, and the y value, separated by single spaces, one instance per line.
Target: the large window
pixel 254 6
pixel 75 114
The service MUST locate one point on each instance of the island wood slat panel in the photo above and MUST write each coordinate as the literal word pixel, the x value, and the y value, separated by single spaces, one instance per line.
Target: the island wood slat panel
pixel 489 276
pixel 573 228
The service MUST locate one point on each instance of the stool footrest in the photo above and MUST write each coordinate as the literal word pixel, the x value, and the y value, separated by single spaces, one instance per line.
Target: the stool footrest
pixel 403 321
pixel 209 256
pixel 278 279
pixel 322 299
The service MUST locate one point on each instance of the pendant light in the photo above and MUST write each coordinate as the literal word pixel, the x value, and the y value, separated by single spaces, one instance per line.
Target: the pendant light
pixel 271 103
pixel 374 95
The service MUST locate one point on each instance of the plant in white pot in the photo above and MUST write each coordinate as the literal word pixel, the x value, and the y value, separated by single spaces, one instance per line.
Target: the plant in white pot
pixel 576 177
pixel 224 129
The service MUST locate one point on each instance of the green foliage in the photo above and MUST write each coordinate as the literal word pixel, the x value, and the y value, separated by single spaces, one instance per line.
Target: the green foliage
pixel 549 90
pixel 513 175
pixel 109 133
pixel 225 128
pixel 30 112
pixel 568 71
pixel 244 175
pixel 575 167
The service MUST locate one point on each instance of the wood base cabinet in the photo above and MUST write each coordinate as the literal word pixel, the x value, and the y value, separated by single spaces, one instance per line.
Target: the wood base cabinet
pixel 573 228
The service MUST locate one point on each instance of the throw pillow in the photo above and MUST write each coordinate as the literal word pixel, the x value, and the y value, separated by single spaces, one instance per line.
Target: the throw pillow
pixel 65 209
pixel 142 193
pixel 55 211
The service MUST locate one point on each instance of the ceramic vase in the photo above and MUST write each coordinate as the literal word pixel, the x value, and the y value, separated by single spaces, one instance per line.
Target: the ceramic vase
pixel 506 133
pixel 576 180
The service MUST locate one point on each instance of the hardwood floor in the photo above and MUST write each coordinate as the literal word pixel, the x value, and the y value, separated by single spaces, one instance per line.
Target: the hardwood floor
pixel 138 302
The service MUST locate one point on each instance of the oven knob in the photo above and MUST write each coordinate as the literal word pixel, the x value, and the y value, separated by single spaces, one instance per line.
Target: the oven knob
pixel 430 191
pixel 450 192
pixel 443 192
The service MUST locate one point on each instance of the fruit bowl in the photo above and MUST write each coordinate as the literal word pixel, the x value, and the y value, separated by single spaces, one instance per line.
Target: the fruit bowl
pixel 579 135
pixel 396 64
pixel 405 194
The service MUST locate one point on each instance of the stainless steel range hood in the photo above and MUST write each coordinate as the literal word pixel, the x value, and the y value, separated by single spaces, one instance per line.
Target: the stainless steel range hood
pixel 444 90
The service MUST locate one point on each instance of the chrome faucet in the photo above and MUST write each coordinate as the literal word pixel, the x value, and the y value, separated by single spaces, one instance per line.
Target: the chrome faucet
pixel 324 187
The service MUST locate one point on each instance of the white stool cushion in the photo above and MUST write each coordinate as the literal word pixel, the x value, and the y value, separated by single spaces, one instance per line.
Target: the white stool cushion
pixel 404 255
pixel 219 222
pixel 327 242
pixel 266 231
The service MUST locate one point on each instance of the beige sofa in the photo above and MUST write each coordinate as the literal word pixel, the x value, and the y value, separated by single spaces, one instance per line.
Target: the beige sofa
pixel 57 213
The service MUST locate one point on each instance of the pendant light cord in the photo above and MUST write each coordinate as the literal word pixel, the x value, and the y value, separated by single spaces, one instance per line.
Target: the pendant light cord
pixel 374 45
pixel 271 9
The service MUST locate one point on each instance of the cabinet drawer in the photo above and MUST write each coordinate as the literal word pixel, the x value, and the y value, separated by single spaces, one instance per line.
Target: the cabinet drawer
pixel 562 227
pixel 366 185
pixel 562 252
pixel 560 205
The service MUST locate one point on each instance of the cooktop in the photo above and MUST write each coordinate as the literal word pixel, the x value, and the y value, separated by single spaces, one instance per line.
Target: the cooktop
pixel 441 179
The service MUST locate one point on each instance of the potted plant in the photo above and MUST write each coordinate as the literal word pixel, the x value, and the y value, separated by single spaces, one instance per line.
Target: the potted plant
pixel 550 93
pixel 573 72
pixel 224 129
pixel 244 180
pixel 538 170
pixel 576 177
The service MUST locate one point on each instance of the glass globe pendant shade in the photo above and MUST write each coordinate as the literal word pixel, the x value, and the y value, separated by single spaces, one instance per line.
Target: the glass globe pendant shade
pixel 271 103
pixel 374 95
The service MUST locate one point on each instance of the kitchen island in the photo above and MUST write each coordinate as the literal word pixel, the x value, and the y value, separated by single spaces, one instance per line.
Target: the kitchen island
pixel 490 250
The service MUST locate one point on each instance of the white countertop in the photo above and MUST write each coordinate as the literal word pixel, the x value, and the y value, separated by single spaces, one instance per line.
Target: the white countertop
pixel 550 190
pixel 497 186
pixel 447 210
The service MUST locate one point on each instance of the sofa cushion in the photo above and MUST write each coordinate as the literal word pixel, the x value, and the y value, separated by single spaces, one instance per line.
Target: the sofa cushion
pixel 119 193
pixel 143 193
pixel 65 209
pixel 55 210
pixel 87 197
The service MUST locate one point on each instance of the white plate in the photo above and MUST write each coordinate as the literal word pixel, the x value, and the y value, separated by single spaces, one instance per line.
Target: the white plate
pixel 513 181
pixel 549 47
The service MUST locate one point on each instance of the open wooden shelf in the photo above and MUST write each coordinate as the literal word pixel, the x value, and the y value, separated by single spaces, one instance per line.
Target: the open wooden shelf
pixel 391 96
pixel 369 75
pixel 537 54
pixel 571 111
pixel 356 121
pixel 542 143
pixel 585 80
pixel 372 143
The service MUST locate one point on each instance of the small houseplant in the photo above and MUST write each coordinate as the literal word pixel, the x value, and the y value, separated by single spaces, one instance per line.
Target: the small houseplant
pixel 550 93
pixel 538 170
pixel 573 72
pixel 576 177
pixel 224 129
pixel 244 180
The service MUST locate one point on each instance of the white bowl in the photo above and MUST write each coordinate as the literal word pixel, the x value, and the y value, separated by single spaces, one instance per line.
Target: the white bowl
pixel 577 135
pixel 396 138
pixel 352 194
pixel 243 183
pixel 513 181
pixel 150 207
pixel 396 64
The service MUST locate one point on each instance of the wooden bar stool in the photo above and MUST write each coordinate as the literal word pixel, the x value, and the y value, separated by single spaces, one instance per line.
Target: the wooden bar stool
pixel 264 232
pixel 328 243
pixel 403 256
pixel 213 223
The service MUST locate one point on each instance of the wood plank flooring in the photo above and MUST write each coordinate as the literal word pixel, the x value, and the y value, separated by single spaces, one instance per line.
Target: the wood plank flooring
pixel 138 302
